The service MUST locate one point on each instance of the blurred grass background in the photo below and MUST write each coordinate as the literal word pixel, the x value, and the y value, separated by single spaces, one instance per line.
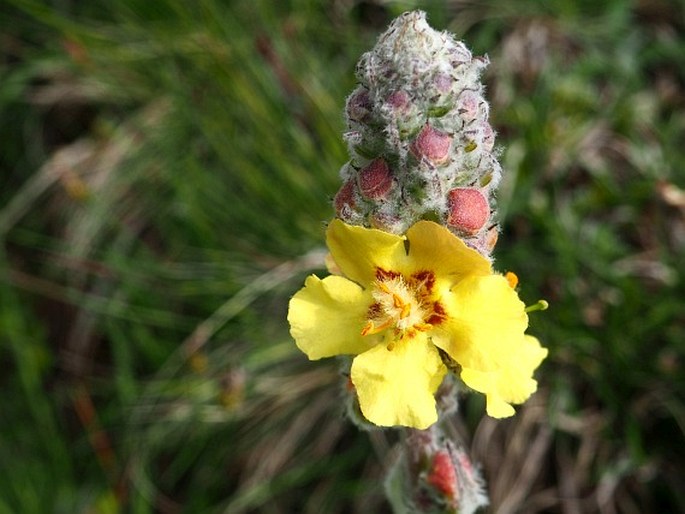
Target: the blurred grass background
pixel 166 170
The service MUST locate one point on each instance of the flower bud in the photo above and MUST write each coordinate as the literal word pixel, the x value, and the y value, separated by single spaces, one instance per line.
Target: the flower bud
pixel 443 83
pixel 419 105
pixel 344 201
pixel 399 101
pixel 432 145
pixel 433 475
pixel 359 104
pixel 468 210
pixel 375 180
pixel 443 476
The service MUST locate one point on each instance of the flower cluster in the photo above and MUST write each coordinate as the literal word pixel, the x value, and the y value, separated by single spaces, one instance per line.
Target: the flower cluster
pixel 413 299
pixel 418 134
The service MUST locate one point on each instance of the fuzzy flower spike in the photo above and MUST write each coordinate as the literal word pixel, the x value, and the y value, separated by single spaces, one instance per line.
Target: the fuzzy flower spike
pixel 411 299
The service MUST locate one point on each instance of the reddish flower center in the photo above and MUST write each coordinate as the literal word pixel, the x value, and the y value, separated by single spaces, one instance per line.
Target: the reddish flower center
pixel 405 304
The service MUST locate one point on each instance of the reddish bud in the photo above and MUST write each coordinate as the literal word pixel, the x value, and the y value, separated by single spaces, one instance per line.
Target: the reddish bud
pixel 443 476
pixel 468 209
pixel 344 199
pixel 399 100
pixel 359 105
pixel 432 144
pixel 375 180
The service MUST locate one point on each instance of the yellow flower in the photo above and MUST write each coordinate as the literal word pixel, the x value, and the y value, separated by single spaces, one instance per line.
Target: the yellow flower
pixel 402 300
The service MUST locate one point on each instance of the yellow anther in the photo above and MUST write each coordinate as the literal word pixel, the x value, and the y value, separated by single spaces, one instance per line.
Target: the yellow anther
pixel 367 328
pixel 397 301
pixel 406 310
pixel 371 328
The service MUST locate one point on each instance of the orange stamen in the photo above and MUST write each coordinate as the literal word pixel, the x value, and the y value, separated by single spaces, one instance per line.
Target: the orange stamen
pixel 397 301
pixel 371 328
pixel 512 279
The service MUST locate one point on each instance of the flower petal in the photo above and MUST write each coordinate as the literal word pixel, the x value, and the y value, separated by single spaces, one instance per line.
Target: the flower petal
pixel 433 247
pixel 513 383
pixel 516 382
pixel 358 251
pixel 485 322
pixel 397 387
pixel 486 382
pixel 327 316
